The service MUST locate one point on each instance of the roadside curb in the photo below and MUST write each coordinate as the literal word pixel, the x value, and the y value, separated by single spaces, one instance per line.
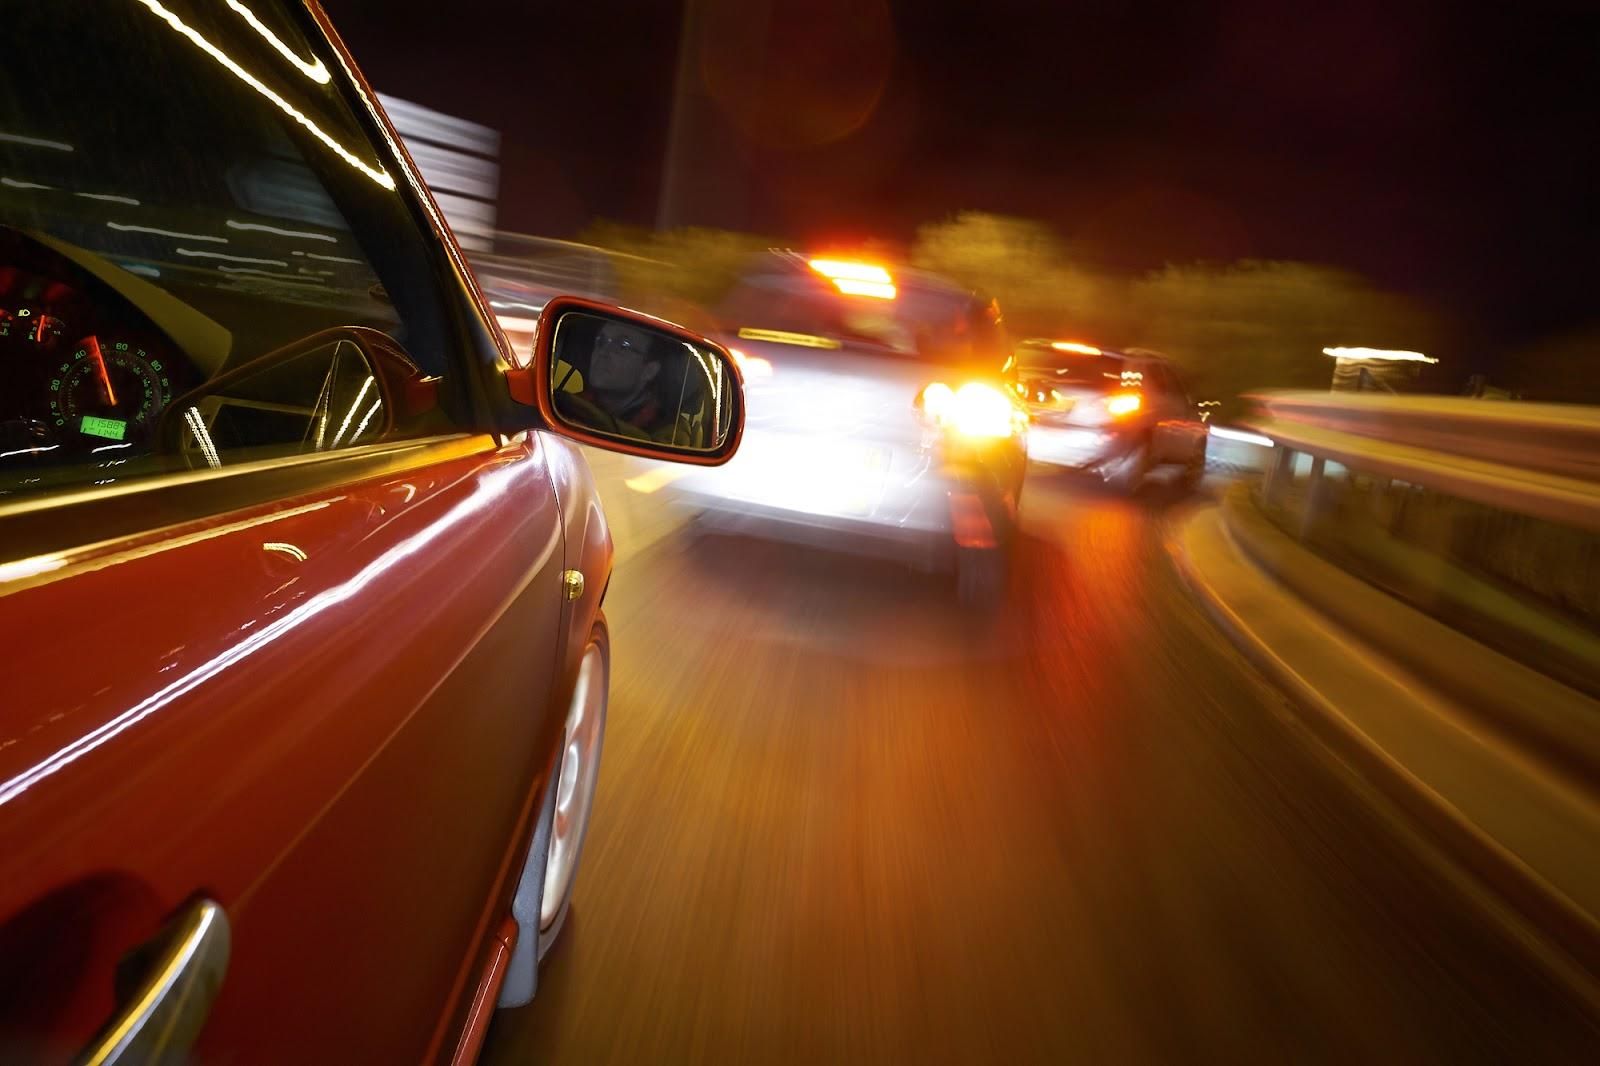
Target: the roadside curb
pixel 1553 722
pixel 1529 841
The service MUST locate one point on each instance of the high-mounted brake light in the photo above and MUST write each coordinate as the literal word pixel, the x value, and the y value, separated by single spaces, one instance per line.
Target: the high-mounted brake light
pixel 856 279
pixel 844 268
pixel 877 290
pixel 1074 346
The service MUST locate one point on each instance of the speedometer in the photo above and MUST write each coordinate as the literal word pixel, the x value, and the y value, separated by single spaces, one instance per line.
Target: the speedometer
pixel 108 388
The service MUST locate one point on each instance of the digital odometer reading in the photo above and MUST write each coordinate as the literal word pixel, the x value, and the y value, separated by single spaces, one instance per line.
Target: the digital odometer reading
pixel 109 388
pixel 109 428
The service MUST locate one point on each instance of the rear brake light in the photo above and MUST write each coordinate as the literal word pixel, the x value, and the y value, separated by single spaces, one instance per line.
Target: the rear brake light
pixel 1123 403
pixel 974 410
pixel 937 400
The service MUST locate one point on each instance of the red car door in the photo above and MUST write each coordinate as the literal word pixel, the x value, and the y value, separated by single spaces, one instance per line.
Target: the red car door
pixel 281 617
pixel 324 713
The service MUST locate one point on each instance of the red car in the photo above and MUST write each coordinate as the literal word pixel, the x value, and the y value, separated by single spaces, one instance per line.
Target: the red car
pixel 301 573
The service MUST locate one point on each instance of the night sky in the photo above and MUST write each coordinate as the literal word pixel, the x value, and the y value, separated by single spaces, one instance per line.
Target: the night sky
pixel 1443 152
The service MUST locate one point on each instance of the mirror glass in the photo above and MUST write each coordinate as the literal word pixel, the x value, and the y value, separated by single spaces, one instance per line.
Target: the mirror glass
pixel 624 379
pixel 324 398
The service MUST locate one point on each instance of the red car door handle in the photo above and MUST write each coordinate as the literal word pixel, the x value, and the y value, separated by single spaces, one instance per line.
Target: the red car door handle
pixel 164 1015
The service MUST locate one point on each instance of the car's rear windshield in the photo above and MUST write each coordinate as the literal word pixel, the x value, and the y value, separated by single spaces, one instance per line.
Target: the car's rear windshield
pixel 1074 368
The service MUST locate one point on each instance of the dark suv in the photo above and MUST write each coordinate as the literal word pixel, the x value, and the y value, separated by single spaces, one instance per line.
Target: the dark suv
pixel 1115 414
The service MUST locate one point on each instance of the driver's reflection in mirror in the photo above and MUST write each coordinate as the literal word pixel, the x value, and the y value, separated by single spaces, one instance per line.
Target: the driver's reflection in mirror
pixel 618 395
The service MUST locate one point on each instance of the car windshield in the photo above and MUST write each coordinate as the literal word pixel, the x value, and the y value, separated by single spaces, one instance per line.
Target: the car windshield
pixel 182 189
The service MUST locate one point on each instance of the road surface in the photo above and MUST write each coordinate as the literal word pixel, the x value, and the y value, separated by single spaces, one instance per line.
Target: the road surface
pixel 841 822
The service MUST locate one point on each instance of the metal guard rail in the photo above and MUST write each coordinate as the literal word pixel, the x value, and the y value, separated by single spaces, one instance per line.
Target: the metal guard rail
pixel 1541 460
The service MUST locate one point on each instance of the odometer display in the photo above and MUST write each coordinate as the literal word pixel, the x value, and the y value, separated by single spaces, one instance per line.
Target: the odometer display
pixel 108 388
pixel 109 428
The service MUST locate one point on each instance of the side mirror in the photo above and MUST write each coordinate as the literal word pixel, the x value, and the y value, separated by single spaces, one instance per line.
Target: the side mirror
pixel 632 383
pixel 338 388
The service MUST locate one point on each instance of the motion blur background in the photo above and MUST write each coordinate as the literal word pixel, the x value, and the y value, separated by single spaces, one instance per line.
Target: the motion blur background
pixel 842 817
pixel 1225 181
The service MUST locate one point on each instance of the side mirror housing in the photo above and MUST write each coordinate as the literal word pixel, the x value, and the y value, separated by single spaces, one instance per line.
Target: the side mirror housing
pixel 633 383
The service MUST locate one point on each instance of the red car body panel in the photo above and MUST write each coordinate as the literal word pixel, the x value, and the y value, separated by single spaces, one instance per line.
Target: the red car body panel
pixel 342 749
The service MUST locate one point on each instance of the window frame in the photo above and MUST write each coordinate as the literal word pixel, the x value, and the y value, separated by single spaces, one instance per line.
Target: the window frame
pixel 476 354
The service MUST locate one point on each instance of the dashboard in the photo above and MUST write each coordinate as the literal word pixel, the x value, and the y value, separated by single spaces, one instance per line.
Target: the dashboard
pixel 82 369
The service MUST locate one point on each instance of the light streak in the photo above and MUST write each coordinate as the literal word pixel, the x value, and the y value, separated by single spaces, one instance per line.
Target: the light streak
pixel 264 228
pixel 1240 435
pixel 365 385
pixel 130 227
pixel 196 254
pixel 1380 354
pixel 202 436
pixel 37 142
pixel 377 174
pixel 313 70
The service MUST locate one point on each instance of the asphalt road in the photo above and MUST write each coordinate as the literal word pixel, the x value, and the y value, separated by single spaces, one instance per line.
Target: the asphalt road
pixel 840 822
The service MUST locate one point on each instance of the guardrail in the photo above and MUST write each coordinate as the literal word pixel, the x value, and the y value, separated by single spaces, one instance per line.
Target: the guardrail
pixel 1454 563
pixel 1541 460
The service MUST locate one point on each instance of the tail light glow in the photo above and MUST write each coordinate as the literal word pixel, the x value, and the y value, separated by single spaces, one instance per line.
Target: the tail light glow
pixel 1122 404
pixel 974 410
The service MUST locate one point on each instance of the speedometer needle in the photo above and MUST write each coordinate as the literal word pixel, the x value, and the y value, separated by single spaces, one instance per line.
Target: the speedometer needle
pixel 100 365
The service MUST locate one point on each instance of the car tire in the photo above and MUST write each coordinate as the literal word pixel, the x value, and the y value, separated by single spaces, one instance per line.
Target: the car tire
pixel 980 576
pixel 563 822
pixel 585 780
pixel 1129 474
